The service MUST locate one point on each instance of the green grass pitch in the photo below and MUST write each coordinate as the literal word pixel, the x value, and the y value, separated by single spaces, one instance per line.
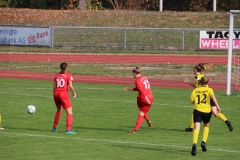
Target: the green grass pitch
pixel 103 114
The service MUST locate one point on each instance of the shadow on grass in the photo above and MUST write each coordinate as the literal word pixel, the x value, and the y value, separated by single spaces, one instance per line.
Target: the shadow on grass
pixel 29 129
pixel 172 129
pixel 127 128
pixel 101 129
pixel 159 149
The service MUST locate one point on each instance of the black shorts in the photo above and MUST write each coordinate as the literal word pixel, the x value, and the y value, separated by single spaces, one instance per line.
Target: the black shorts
pixel 212 103
pixel 201 116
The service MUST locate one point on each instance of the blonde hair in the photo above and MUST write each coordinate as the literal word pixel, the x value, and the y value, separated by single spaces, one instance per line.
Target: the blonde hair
pixel 203 67
pixel 136 70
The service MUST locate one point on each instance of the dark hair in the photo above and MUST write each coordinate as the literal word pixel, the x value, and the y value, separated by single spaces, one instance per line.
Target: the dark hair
pixel 204 81
pixel 203 67
pixel 136 70
pixel 63 67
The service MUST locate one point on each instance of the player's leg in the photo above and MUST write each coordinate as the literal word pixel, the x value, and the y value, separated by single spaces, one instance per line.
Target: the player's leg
pixel 145 110
pixel 67 106
pixel 138 123
pixel 196 132
pixel 206 120
pixel 190 128
pixel 220 116
pixel 57 114
pixel 1 122
pixel 69 121
pixel 205 137
pixel 140 104
pixel 197 122
pixel 147 119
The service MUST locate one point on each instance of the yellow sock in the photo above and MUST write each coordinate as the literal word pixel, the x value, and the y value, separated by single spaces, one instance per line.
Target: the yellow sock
pixel 205 134
pixel 191 122
pixel 221 116
pixel 195 136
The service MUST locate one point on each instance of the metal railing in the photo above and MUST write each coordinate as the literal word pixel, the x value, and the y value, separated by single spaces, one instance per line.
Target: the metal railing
pixel 127 38
pixel 124 38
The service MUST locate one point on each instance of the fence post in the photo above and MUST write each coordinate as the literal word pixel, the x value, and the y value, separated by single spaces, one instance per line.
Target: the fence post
pixel 183 39
pixel 214 5
pixel 125 39
pixel 52 38
pixel 160 5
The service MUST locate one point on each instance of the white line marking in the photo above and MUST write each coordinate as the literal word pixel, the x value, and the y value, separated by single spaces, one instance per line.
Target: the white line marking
pixel 113 141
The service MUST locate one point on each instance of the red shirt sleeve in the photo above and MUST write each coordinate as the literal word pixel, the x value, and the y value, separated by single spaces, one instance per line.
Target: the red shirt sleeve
pixel 70 78
pixel 135 89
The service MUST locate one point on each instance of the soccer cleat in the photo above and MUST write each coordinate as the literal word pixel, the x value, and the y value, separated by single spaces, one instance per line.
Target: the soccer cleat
pixel 54 130
pixel 230 127
pixel 149 123
pixel 70 132
pixel 188 129
pixel 132 131
pixel 194 148
pixel 1 128
pixel 203 145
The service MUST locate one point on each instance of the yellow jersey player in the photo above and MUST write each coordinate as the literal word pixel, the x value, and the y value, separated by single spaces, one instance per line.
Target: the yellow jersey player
pixel 198 71
pixel 1 122
pixel 201 98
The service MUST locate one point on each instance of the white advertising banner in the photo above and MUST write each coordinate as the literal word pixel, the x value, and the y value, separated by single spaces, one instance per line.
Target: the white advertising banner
pixel 218 40
pixel 25 36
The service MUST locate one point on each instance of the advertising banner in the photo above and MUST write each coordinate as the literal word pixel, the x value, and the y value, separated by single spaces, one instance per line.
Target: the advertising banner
pixel 25 36
pixel 218 40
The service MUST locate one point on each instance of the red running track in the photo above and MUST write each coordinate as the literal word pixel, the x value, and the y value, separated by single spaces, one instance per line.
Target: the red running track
pixel 138 59
pixel 103 80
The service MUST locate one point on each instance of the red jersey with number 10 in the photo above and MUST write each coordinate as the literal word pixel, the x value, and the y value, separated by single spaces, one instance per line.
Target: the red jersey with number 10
pixel 143 87
pixel 62 81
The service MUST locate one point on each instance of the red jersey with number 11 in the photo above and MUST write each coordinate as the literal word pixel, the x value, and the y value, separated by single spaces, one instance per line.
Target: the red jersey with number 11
pixel 62 81
pixel 143 87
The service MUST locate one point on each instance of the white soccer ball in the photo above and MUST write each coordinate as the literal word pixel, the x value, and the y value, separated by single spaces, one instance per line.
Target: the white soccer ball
pixel 31 109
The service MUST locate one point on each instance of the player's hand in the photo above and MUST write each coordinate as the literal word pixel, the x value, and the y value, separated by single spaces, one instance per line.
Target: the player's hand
pixel 185 80
pixel 126 89
pixel 74 95
pixel 148 101
pixel 218 109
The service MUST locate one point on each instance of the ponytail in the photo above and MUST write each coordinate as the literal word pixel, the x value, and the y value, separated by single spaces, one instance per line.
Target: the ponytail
pixel 203 67
pixel 136 70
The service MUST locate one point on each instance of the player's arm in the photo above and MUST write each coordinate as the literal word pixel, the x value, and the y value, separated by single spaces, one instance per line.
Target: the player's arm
pixel 215 101
pixel 72 89
pixel 54 86
pixel 192 97
pixel 211 93
pixel 130 89
pixel 188 82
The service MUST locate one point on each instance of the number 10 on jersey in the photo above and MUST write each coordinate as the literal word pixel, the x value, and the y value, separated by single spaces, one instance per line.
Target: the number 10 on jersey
pixel 60 83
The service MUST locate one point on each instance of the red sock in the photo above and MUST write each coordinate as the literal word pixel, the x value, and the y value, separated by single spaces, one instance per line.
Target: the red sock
pixel 56 119
pixel 138 123
pixel 69 120
pixel 146 116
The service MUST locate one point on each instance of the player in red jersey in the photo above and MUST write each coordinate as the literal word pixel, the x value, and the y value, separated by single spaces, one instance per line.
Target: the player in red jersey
pixel 144 99
pixel 63 81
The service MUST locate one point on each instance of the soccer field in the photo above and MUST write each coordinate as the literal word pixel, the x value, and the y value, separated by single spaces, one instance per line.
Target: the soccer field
pixel 103 114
